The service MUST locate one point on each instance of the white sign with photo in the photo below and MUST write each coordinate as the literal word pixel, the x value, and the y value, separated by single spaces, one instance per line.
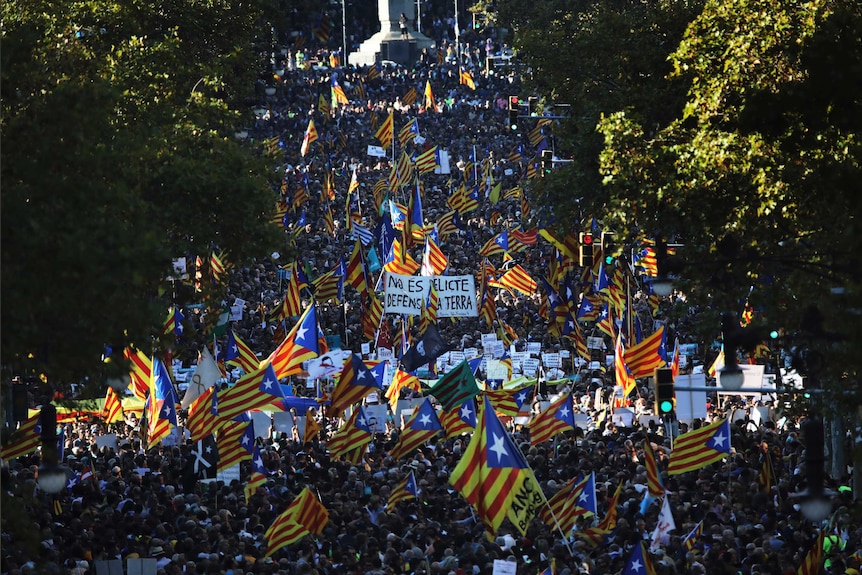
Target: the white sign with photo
pixel 376 151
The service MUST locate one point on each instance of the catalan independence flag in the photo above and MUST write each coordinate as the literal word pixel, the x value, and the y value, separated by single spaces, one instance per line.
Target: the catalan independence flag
pixel 557 418
pixel 423 426
pixel 700 447
pixel 355 433
pixel 428 161
pixel 163 400
pixel 259 389
pixel 240 354
pixel 492 474
pixel 203 417
pixel 300 344
pixel 406 489
pixel 258 474
pixel 459 420
pixel 354 382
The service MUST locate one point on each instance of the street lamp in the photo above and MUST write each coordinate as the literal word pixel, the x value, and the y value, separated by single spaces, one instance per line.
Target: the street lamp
pixel 815 501
pixel 52 476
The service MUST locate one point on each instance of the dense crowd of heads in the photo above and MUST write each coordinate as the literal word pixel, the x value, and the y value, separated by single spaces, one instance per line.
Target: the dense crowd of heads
pixel 138 505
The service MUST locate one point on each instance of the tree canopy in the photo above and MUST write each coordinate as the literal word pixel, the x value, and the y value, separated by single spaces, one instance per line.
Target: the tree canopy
pixel 730 127
pixel 118 156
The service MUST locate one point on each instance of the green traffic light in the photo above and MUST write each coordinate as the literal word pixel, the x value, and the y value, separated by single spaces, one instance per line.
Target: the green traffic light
pixel 666 406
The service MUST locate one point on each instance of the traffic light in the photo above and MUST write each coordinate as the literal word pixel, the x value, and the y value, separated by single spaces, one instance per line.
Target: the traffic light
pixel 547 162
pixel 514 112
pixel 608 247
pixel 663 381
pixel 586 250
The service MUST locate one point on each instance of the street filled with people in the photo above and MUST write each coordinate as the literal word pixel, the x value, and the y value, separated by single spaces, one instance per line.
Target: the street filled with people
pixel 345 191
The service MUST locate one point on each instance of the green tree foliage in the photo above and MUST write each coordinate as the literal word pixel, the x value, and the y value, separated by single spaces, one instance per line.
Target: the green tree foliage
pixel 119 155
pixel 757 170
pixel 600 57
pixel 732 127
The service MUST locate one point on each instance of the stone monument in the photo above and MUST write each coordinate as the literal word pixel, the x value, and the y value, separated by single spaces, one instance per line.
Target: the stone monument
pixel 388 44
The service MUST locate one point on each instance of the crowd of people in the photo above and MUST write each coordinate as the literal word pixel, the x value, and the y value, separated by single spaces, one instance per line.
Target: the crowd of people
pixel 132 502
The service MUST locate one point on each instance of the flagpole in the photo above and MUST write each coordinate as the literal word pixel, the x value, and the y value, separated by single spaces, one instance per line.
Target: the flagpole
pixel 553 515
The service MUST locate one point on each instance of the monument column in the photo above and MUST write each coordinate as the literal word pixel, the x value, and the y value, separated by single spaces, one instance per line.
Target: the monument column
pixel 387 44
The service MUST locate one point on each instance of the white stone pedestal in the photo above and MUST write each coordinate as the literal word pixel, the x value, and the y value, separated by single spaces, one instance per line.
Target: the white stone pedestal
pixel 387 44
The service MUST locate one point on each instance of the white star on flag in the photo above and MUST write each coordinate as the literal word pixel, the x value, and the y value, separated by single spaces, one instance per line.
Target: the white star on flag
pixel 466 412
pixel 499 448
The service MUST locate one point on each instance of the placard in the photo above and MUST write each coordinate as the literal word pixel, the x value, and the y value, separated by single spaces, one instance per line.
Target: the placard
pixel 329 364
pixel 376 151
pixel 146 566
pixel 385 353
pixel 503 567
pixel 282 421
pixel 496 369
pixel 444 163
pixel 530 366
pixel 583 421
pixel 489 338
pixel 107 440
pixel 623 417
pixel 173 438
pixel 408 294
pixel 236 310
pixel 365 348
pixel 262 424
pixel 471 352
pixel 456 357
pixel 690 405
pixel 534 347
pixel 552 360
pixel 595 343
pixel 377 415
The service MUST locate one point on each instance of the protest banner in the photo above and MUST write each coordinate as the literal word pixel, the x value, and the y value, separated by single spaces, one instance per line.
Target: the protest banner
pixel 408 295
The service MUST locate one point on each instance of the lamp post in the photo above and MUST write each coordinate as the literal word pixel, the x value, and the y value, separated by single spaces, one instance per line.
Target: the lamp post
pixel 344 33
pixel 52 476
pixel 815 501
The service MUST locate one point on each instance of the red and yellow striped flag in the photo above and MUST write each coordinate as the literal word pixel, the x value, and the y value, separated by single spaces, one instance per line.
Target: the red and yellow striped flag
pixel 112 411
pixel 306 514
pixel 24 440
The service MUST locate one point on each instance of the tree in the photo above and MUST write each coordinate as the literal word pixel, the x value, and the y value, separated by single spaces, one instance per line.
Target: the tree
pixel 119 155
pixel 756 171
pixel 732 127
pixel 600 57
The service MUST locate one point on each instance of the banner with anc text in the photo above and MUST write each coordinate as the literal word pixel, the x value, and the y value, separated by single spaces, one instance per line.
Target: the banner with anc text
pixel 409 294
